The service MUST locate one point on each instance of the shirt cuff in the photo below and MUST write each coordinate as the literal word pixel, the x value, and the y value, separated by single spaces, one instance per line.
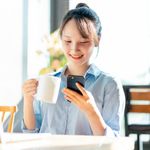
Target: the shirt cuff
pixel 25 130
pixel 110 133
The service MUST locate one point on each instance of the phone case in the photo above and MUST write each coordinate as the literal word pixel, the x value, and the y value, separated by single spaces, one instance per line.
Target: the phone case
pixel 71 82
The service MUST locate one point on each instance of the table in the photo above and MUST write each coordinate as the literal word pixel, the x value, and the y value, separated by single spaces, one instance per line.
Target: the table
pixel 45 141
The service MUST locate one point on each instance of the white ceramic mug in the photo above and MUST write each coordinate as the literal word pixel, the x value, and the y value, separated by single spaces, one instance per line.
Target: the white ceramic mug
pixel 48 88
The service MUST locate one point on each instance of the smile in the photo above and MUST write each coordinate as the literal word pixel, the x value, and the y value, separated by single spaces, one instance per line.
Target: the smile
pixel 76 57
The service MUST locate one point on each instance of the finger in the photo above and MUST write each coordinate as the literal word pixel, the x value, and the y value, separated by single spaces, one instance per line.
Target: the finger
pixel 31 81
pixel 67 98
pixel 69 92
pixel 82 90
pixel 28 85
pixel 72 99
pixel 30 90
pixel 27 89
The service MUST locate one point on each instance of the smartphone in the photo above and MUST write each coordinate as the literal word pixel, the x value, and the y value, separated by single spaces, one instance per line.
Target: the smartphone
pixel 72 80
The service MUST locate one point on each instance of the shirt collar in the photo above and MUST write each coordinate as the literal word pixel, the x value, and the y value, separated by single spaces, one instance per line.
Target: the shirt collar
pixel 92 70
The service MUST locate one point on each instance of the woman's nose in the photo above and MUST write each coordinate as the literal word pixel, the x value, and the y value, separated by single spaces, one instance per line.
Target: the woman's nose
pixel 74 47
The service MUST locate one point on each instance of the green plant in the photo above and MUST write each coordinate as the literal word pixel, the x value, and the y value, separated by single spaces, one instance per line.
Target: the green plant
pixel 56 57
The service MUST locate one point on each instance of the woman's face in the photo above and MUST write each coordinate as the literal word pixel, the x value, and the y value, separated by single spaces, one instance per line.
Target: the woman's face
pixel 77 49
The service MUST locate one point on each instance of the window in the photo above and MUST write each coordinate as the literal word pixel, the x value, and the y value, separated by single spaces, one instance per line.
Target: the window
pixel 23 24
pixel 38 27
pixel 10 51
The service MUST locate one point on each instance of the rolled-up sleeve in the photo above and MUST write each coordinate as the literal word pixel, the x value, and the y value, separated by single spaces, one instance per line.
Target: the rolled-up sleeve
pixel 113 107
pixel 110 133
pixel 37 112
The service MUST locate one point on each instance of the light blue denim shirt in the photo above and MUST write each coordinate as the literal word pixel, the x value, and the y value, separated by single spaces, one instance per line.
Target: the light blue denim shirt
pixel 65 118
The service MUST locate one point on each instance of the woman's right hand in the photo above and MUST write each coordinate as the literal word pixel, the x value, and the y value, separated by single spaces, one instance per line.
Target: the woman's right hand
pixel 29 89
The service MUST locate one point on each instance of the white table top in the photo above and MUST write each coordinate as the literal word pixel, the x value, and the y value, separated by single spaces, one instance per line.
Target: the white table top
pixel 45 141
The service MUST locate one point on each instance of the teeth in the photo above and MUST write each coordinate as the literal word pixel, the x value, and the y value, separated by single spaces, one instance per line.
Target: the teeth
pixel 76 57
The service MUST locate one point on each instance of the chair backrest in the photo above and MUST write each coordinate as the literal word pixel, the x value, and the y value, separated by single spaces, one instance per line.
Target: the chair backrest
pixel 136 97
pixel 142 95
pixel 11 110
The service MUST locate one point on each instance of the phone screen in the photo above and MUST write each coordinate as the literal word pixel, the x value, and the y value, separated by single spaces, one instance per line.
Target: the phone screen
pixel 72 80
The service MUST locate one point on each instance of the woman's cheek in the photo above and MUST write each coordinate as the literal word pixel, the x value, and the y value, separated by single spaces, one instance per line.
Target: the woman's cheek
pixel 66 51
pixel 67 48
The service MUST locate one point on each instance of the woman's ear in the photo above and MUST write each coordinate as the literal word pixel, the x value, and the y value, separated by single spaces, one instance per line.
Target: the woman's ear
pixel 98 41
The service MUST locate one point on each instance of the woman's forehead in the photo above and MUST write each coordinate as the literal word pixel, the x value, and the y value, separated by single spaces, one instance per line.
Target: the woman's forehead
pixel 73 27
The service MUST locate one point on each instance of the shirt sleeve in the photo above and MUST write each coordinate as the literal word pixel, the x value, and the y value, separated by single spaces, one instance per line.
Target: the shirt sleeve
pixel 37 112
pixel 113 107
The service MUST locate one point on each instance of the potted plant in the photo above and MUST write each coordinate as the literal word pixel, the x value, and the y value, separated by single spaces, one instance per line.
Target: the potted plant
pixel 54 51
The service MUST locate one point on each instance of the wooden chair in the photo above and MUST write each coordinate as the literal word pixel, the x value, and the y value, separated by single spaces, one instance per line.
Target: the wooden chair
pixel 136 94
pixel 11 110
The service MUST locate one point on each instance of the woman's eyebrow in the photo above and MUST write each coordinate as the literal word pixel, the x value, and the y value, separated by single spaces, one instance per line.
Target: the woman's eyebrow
pixel 66 36
pixel 82 39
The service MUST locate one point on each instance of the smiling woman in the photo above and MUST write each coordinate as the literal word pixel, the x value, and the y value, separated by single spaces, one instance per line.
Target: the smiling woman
pixel 99 109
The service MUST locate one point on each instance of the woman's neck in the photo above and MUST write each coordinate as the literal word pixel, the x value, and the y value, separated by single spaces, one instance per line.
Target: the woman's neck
pixel 76 70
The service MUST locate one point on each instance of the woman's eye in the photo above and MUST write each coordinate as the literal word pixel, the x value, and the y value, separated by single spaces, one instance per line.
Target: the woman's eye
pixel 84 42
pixel 68 41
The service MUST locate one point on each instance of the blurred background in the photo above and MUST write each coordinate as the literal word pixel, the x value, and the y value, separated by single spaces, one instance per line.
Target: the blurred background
pixel 28 36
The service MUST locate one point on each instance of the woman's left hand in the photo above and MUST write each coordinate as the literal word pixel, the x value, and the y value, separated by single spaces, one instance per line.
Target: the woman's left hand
pixel 85 102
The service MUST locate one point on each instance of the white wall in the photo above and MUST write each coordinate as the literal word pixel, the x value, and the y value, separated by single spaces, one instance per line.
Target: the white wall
pixel 124 46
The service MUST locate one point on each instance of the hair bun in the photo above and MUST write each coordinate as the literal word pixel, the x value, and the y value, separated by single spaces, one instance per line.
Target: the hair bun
pixel 82 5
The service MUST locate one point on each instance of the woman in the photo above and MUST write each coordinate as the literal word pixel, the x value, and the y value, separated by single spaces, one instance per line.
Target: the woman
pixel 98 111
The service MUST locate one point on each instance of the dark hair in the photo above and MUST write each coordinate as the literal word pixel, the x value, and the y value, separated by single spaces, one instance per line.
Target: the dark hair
pixel 82 13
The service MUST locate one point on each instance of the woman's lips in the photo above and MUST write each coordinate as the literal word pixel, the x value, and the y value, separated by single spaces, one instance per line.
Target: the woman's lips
pixel 76 57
